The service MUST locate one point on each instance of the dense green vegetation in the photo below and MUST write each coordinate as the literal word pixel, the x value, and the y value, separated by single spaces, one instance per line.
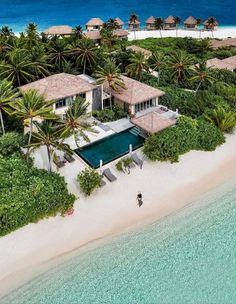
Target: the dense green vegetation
pixel 107 115
pixel 189 134
pixel 28 194
pixel 89 180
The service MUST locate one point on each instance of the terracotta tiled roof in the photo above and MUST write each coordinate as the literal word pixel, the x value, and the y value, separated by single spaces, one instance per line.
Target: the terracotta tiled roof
pixel 95 21
pixel 136 92
pixel 59 30
pixel 190 20
pixel 59 86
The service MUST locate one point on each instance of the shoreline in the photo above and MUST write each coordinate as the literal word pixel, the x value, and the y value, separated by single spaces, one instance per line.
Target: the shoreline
pixel 166 188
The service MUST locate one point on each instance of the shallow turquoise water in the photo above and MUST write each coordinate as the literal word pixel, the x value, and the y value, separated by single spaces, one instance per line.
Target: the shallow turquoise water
pixel 110 148
pixel 188 257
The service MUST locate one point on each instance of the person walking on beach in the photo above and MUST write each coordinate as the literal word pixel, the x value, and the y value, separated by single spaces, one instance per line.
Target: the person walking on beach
pixel 140 199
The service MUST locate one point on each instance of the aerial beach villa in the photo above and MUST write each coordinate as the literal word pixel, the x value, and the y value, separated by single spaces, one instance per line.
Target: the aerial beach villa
pixel 117 153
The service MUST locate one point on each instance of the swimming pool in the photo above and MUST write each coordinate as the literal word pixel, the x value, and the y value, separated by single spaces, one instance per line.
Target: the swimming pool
pixel 110 148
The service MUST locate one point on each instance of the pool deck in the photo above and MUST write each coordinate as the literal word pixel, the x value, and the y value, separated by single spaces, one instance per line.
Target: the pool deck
pixel 120 125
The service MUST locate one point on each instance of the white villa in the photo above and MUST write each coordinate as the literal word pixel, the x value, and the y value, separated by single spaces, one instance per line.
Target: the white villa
pixel 138 100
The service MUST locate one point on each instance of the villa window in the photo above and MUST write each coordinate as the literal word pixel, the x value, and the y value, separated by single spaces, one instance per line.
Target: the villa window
pixel 145 105
pixel 60 104
pixel 82 95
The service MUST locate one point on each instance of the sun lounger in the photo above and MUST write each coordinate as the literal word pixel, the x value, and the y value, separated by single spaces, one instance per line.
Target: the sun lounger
pixel 137 160
pixel 108 174
pixel 69 158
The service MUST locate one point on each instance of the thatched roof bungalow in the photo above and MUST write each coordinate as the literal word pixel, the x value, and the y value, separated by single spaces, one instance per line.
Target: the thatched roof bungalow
pixel 170 23
pixel 94 24
pixel 190 23
pixel 210 26
pixel 59 30
pixel 96 36
pixel 150 23
pixel 134 25
pixel 119 22
pixel 227 63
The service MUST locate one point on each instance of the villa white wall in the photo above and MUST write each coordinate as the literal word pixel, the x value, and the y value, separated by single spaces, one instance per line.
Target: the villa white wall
pixel 89 99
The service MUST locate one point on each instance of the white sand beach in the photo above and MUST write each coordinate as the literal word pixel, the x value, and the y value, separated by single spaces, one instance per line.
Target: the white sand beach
pixel 165 187
pixel 220 33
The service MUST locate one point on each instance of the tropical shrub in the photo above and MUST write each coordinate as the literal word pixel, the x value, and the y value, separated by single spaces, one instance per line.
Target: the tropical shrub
pixel 222 119
pixel 188 134
pixel 224 76
pixel 10 143
pixel 28 194
pixel 124 164
pixel 89 180
pixel 107 115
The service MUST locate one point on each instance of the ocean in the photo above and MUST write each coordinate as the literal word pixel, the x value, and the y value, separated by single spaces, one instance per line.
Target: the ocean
pixel 187 257
pixel 18 13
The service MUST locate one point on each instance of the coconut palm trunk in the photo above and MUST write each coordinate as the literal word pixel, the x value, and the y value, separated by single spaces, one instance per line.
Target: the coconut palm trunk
pixel 110 96
pixel 2 123
pixel 84 67
pixel 198 87
pixel 49 160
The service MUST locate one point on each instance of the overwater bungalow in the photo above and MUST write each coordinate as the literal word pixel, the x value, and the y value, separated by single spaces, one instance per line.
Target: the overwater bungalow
pixel 59 30
pixel 190 23
pixel 119 22
pixel 94 24
pixel 134 25
pixel 150 23
pixel 170 23
pixel 211 24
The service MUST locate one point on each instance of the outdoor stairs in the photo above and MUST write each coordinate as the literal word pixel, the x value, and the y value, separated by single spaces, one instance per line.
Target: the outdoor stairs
pixel 135 131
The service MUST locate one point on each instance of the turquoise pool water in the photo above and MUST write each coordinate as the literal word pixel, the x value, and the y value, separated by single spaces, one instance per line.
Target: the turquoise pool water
pixel 188 257
pixel 110 148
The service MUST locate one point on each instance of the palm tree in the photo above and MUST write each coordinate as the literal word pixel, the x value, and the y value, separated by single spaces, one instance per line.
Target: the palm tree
pixel 108 38
pixel 7 95
pixel 179 63
pixel 30 106
pixel 58 52
pixel 17 67
pixel 159 25
pixel 47 135
pixel 111 24
pixel 157 62
pixel 85 52
pixel 40 58
pixel 222 119
pixel 138 64
pixel 199 22
pixel 31 35
pixel 133 19
pixel 212 23
pixel 177 21
pixel 6 31
pixel 74 122
pixel 109 75
pixel 202 74
pixel 78 32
